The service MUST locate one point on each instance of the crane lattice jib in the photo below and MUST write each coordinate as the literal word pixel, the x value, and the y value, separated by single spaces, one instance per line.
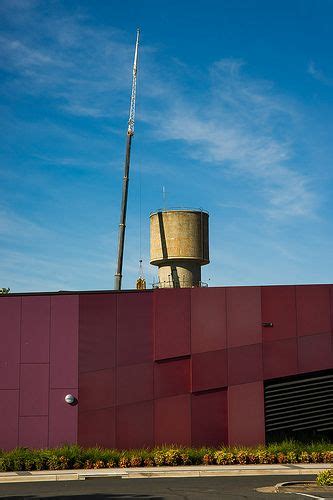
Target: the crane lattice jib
pixel 131 120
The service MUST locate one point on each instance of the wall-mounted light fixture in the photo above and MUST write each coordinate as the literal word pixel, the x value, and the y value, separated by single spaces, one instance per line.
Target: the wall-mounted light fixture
pixel 70 399
pixel 267 324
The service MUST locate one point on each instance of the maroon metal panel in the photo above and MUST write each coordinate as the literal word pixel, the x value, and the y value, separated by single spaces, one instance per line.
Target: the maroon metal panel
pixel 35 329
pixel 246 414
pixel 34 393
pixel 62 418
pixel 135 383
pixel 208 319
pixel 315 352
pixel 134 425
pixel 33 432
pixel 97 428
pixel 173 420
pixel 243 316
pixel 172 377
pixel 97 389
pixel 135 328
pixel 64 341
pixel 209 418
pixel 245 364
pixel 278 305
pixel 313 309
pixel 98 327
pixel 9 409
pixel 10 317
pixel 280 358
pixel 209 370
pixel 172 323
pixel 331 299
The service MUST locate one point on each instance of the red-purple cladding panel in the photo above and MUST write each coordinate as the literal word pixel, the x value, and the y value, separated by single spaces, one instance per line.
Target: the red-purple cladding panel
pixel 34 432
pixel 10 317
pixel 210 418
pixel 62 418
pixel 98 428
pixel 172 323
pixel 280 358
pixel 243 316
pixel 278 305
pixel 135 383
pixel 331 298
pixel 35 329
pixel 34 393
pixel 64 341
pixel 315 352
pixel 98 327
pixel 135 328
pixel 97 389
pixel 246 414
pixel 134 425
pixel 245 364
pixel 208 319
pixel 209 370
pixel 313 309
pixel 173 420
pixel 172 377
pixel 9 409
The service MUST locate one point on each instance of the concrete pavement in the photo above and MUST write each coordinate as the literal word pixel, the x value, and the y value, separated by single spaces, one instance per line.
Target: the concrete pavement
pixel 160 472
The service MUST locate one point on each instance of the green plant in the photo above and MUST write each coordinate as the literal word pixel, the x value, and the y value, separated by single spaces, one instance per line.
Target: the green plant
pixel 325 478
pixel 76 457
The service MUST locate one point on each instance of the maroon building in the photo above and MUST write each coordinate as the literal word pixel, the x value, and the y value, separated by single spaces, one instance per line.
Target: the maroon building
pixel 200 366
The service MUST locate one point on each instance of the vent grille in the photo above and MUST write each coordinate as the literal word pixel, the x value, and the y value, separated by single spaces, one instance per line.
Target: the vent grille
pixel 300 404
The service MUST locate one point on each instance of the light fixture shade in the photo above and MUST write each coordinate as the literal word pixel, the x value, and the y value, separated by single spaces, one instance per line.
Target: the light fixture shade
pixel 70 399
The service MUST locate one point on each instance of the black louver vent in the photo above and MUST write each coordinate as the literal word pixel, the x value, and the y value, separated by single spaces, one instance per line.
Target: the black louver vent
pixel 299 405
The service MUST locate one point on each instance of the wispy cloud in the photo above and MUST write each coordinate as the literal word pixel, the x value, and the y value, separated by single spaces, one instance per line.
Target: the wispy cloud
pixel 82 70
pixel 14 227
pixel 318 74
pixel 245 128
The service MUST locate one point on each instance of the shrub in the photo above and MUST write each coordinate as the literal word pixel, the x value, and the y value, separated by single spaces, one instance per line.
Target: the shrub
pixel 224 457
pixel 304 457
pixel 124 460
pixel 208 459
pixel 316 457
pixel 172 457
pixel 201 456
pixel 242 457
pixel 265 457
pixel 159 457
pixel 76 457
pixel 291 457
pixel 328 457
pixel 135 461
pixel 325 478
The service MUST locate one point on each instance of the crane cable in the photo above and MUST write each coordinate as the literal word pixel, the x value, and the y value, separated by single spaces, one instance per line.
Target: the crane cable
pixel 141 282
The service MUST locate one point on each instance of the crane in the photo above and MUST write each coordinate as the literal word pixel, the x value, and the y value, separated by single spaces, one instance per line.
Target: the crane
pixel 130 134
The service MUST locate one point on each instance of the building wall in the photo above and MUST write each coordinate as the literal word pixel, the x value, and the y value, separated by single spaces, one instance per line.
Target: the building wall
pixel 182 366
pixel 38 367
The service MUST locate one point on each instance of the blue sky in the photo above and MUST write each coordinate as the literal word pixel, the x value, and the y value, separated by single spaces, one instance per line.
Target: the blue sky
pixel 234 115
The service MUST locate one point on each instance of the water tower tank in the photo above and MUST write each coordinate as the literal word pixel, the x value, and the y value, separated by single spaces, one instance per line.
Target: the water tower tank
pixel 179 246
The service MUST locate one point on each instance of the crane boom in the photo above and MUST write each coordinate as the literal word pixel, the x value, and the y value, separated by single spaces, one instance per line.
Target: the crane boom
pixel 131 120
pixel 130 133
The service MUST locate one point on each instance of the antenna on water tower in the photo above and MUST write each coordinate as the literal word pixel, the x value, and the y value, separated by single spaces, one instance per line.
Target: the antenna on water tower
pixel 130 133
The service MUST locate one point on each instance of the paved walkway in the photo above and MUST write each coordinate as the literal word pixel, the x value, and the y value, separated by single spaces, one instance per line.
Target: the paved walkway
pixel 180 471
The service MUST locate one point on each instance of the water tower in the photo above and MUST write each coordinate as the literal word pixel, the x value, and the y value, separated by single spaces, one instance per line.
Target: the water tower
pixel 179 246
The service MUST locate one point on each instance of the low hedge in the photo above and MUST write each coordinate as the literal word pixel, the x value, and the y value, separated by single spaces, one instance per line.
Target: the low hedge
pixel 325 478
pixel 76 457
